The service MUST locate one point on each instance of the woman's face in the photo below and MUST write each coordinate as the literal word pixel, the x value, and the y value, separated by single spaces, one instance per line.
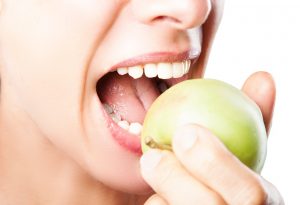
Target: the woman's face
pixel 58 63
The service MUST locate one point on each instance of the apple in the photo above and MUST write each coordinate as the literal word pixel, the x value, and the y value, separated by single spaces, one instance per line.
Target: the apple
pixel 225 110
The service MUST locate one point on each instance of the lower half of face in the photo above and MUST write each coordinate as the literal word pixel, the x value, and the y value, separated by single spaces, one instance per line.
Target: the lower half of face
pixel 86 74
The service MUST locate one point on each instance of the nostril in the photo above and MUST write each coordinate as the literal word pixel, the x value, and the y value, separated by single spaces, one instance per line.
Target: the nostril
pixel 179 14
pixel 165 19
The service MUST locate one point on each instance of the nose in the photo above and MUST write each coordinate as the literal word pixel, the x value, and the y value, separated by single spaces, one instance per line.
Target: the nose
pixel 181 14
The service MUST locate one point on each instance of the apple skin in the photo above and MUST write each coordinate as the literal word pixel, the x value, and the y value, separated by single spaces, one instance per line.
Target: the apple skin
pixel 225 110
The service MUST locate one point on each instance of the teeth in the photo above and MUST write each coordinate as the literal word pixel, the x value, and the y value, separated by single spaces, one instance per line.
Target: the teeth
pixel 150 70
pixel 124 124
pixel 122 71
pixel 107 108
pixel 115 117
pixel 162 70
pixel 186 66
pixel 189 64
pixel 135 71
pixel 135 128
pixel 178 70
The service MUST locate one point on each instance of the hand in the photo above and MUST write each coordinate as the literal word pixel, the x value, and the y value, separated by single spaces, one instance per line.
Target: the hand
pixel 202 171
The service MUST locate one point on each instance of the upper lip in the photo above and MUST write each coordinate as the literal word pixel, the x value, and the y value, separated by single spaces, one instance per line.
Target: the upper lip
pixel 157 57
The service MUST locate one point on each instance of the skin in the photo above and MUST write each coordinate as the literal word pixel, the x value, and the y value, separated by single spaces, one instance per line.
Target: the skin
pixel 53 147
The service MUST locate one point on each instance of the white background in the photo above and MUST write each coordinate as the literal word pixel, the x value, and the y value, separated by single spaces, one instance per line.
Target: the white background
pixel 265 35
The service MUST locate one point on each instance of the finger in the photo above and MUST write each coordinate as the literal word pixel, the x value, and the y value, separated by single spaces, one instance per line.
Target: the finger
pixel 166 176
pixel 155 200
pixel 208 160
pixel 274 197
pixel 260 87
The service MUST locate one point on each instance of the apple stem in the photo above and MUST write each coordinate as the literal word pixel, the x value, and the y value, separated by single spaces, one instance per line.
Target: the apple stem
pixel 149 141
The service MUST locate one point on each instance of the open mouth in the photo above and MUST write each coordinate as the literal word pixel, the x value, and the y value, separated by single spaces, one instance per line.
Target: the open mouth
pixel 127 92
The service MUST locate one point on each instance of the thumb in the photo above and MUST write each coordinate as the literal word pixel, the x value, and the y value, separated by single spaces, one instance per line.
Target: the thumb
pixel 260 87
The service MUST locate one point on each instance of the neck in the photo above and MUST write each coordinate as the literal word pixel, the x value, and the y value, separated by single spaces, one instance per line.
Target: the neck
pixel 33 171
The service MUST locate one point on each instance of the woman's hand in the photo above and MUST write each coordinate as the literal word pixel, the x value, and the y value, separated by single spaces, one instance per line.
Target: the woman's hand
pixel 202 171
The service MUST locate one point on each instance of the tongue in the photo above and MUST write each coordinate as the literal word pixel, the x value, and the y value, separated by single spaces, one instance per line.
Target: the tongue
pixel 128 97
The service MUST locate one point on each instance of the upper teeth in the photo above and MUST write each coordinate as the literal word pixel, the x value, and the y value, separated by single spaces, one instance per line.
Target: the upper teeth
pixel 160 70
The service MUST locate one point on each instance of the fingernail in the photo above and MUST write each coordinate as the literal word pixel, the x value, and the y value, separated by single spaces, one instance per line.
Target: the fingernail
pixel 185 138
pixel 150 160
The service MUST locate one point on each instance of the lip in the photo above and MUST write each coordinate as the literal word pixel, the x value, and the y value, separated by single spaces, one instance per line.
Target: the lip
pixel 125 139
pixel 158 57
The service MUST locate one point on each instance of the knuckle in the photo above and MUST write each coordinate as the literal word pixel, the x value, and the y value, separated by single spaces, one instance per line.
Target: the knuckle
pixel 259 197
pixel 257 194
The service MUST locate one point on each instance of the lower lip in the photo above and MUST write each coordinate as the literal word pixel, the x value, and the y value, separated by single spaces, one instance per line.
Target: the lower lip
pixel 126 140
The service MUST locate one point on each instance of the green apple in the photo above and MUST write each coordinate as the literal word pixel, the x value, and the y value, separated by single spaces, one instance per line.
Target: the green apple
pixel 225 110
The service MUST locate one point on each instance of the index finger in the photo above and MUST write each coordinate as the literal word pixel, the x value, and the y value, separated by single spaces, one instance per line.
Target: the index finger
pixel 260 87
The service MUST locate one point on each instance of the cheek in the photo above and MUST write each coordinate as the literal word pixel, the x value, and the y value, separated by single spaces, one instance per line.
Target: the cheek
pixel 46 48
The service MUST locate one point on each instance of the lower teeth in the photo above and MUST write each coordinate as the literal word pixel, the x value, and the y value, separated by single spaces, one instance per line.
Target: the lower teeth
pixel 133 128
pixel 116 118
pixel 124 124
